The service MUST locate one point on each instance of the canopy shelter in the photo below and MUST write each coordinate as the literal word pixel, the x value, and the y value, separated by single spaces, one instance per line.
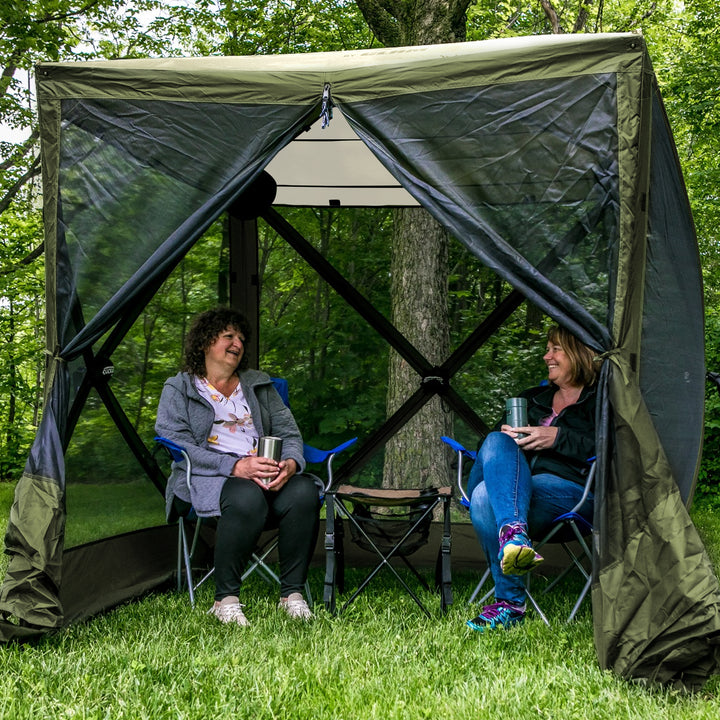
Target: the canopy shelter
pixel 549 158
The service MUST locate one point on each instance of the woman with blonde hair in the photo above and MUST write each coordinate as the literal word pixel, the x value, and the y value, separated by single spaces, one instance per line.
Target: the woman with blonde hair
pixel 524 477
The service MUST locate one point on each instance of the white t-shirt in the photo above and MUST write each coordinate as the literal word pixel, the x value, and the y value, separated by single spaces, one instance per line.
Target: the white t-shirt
pixel 233 429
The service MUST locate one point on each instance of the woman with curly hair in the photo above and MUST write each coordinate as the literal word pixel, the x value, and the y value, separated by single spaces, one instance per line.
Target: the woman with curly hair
pixel 217 410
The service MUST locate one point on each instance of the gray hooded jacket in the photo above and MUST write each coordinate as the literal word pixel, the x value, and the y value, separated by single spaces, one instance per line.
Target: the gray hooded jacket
pixel 187 419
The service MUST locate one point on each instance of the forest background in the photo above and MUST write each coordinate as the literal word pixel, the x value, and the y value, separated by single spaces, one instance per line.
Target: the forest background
pixel 340 371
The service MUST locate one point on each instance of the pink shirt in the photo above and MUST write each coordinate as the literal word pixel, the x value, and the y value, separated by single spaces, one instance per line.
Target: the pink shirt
pixel 547 421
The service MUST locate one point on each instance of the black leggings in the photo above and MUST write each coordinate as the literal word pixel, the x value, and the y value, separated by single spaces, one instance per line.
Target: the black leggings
pixel 246 510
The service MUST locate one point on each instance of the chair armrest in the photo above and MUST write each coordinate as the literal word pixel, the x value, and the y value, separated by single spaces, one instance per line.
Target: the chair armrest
pixel 462 452
pixel 178 454
pixel 315 455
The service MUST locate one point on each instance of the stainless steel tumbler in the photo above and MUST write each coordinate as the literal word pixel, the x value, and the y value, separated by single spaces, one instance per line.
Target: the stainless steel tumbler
pixel 270 447
pixel 516 413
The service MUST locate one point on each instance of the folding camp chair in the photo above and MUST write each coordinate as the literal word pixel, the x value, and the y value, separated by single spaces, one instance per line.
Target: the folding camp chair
pixel 569 527
pixel 566 528
pixel 186 551
pixel 390 524
pixel 259 558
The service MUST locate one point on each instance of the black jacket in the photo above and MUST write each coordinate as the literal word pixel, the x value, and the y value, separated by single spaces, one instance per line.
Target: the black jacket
pixel 575 443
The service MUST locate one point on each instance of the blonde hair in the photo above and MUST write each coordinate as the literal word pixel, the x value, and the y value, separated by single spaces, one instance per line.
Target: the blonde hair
pixel 584 365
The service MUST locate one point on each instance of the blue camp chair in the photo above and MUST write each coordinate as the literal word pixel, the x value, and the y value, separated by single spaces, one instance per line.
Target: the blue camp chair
pixel 565 529
pixel 259 558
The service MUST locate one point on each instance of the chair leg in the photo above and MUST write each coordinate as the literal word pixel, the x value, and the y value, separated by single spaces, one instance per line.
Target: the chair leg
pixel 193 586
pixel 205 577
pixel 576 562
pixel 446 594
pixel 415 572
pixel 580 599
pixel 478 587
pixel 340 557
pixel 196 537
pixel 258 562
pixel 331 554
pixel 183 548
pixel 367 580
pixel 180 554
pixel 536 606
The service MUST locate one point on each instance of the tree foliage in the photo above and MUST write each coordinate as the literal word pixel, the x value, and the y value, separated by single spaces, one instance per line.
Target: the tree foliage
pixel 21 337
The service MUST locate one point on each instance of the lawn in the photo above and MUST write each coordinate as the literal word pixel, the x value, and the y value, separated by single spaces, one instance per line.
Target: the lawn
pixel 102 510
pixel 158 658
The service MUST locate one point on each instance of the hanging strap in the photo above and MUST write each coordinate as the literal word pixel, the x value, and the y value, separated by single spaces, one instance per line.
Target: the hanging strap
pixel 331 551
pixel 327 106
pixel 445 571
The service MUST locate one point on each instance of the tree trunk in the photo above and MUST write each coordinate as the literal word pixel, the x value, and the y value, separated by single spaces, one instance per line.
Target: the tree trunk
pixel 420 22
pixel 413 457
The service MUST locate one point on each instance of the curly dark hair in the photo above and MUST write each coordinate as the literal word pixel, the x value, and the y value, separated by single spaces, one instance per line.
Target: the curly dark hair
pixel 204 330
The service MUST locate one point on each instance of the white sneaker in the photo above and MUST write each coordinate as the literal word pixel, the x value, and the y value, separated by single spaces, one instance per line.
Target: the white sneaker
pixel 295 606
pixel 229 610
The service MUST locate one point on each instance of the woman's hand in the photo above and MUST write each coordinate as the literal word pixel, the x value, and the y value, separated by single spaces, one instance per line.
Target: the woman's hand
pixel 287 468
pixel 265 472
pixel 537 437
pixel 260 470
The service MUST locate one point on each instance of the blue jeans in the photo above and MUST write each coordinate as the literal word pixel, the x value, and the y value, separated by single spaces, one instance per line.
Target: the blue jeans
pixel 503 491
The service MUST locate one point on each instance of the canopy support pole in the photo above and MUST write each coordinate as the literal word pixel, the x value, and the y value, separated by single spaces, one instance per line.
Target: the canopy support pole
pixel 132 439
pixel 244 278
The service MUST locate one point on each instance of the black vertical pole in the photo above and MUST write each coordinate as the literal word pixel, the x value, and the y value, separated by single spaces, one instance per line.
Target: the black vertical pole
pixel 244 283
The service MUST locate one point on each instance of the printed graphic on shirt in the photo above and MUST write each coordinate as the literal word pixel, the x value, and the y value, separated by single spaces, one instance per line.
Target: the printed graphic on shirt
pixel 234 428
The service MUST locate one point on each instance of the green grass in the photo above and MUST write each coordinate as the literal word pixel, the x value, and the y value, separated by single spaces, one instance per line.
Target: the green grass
pixel 382 658
pixel 104 510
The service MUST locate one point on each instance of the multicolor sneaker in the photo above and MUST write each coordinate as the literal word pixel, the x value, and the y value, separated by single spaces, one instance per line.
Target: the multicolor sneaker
pixel 516 555
pixel 500 614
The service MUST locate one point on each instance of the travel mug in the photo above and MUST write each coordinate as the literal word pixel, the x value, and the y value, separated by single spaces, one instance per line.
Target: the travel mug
pixel 516 413
pixel 270 447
